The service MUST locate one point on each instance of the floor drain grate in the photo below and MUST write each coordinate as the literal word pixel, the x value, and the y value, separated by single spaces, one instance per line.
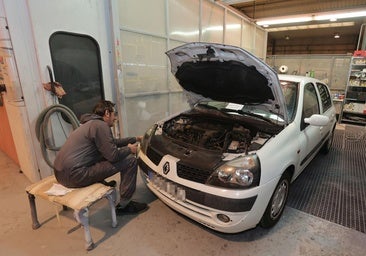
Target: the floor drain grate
pixel 333 186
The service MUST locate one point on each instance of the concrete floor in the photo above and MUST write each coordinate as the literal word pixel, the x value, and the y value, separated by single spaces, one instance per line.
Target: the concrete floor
pixel 158 231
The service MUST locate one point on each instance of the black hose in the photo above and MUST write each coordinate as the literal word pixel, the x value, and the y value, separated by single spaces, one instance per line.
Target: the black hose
pixel 42 127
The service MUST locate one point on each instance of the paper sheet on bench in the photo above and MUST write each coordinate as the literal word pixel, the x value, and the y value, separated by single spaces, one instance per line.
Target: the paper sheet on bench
pixel 58 190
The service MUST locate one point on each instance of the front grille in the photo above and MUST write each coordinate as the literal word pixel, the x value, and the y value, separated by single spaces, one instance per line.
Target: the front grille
pixel 199 197
pixel 161 183
pixel 193 174
pixel 154 155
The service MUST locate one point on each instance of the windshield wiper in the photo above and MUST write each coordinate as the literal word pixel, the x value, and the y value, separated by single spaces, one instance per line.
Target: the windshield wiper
pixel 207 106
pixel 241 112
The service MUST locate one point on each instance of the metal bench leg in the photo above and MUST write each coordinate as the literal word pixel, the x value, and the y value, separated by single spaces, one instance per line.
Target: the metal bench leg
pixel 82 216
pixel 32 203
pixel 111 199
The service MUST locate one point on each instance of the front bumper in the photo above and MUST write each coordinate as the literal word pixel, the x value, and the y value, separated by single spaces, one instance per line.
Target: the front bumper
pixel 228 211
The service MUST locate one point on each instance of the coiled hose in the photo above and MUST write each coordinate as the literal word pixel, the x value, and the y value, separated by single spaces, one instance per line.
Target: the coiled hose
pixel 42 127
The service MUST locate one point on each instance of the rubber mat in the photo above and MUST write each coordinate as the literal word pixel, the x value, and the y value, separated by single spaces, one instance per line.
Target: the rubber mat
pixel 333 186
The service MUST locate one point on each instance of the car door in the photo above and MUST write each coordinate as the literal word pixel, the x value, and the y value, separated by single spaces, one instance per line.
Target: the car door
pixel 310 136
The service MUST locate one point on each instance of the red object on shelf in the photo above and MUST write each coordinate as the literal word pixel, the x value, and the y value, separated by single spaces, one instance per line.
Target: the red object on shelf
pixel 360 53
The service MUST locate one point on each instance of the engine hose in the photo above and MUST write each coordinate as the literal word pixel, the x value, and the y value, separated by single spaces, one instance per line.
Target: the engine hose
pixel 42 127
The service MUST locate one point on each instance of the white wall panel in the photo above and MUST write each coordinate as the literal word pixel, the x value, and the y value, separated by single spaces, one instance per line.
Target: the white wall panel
pixel 260 40
pixel 143 15
pixel 178 102
pixel 332 69
pixel 144 63
pixel 232 29
pixel 212 23
pixel 184 20
pixel 144 110
pixel 247 42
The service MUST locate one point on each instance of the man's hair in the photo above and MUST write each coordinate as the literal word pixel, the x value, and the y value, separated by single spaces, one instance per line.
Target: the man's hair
pixel 102 106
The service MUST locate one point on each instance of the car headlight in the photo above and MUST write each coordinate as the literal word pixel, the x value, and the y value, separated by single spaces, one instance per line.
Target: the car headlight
pixel 243 172
pixel 146 138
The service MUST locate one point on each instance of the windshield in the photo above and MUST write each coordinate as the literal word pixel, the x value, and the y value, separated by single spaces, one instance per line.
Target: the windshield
pixel 290 91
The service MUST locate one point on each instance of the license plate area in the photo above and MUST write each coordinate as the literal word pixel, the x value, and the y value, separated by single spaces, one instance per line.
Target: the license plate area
pixel 166 186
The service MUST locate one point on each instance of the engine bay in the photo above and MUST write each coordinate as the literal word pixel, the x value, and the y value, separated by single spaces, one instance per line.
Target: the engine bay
pixel 213 134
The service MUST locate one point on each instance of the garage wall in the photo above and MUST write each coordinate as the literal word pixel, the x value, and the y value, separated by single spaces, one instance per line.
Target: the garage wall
pixel 332 69
pixel 149 91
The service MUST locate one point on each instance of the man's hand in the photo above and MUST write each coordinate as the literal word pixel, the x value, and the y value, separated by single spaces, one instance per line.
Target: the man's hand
pixel 133 148
pixel 139 138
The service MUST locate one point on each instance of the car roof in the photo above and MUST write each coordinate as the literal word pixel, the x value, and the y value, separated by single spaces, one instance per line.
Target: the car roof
pixel 297 78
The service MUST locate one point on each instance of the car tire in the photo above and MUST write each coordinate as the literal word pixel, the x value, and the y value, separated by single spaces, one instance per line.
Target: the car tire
pixel 328 144
pixel 277 203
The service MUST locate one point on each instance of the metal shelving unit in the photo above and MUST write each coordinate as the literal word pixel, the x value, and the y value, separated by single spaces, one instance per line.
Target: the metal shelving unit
pixel 354 104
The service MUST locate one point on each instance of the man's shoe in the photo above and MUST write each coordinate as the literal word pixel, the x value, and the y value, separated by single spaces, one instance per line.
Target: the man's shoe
pixel 111 183
pixel 132 208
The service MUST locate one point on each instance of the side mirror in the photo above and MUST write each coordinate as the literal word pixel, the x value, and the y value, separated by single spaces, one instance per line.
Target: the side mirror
pixel 317 120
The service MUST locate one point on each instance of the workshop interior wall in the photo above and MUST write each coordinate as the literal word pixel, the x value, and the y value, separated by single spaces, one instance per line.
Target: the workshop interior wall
pixel 150 91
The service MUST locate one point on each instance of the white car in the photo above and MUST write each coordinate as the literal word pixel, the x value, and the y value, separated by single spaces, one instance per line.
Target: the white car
pixel 228 162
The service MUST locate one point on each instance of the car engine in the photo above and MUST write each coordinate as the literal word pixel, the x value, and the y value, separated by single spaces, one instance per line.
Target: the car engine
pixel 210 134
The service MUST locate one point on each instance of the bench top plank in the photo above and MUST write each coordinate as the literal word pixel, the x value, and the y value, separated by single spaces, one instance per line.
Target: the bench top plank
pixel 77 199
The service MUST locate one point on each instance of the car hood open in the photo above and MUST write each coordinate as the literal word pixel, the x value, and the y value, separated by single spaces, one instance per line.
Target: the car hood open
pixel 209 71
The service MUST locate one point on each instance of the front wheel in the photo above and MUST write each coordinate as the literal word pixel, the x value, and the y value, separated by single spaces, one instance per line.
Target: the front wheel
pixel 277 203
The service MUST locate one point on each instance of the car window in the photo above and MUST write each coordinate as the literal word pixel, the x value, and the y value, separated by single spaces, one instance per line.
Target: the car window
pixel 324 96
pixel 311 104
pixel 289 90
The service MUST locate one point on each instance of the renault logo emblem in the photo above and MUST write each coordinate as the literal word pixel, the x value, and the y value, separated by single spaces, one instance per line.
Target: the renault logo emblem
pixel 166 168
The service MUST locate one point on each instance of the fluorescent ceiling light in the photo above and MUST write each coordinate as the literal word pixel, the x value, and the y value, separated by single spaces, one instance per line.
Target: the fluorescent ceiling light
pixel 183 33
pixel 340 15
pixel 333 16
pixel 233 26
pixel 284 21
pixel 313 26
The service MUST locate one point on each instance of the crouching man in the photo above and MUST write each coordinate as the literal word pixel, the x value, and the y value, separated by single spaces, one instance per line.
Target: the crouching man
pixel 91 154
